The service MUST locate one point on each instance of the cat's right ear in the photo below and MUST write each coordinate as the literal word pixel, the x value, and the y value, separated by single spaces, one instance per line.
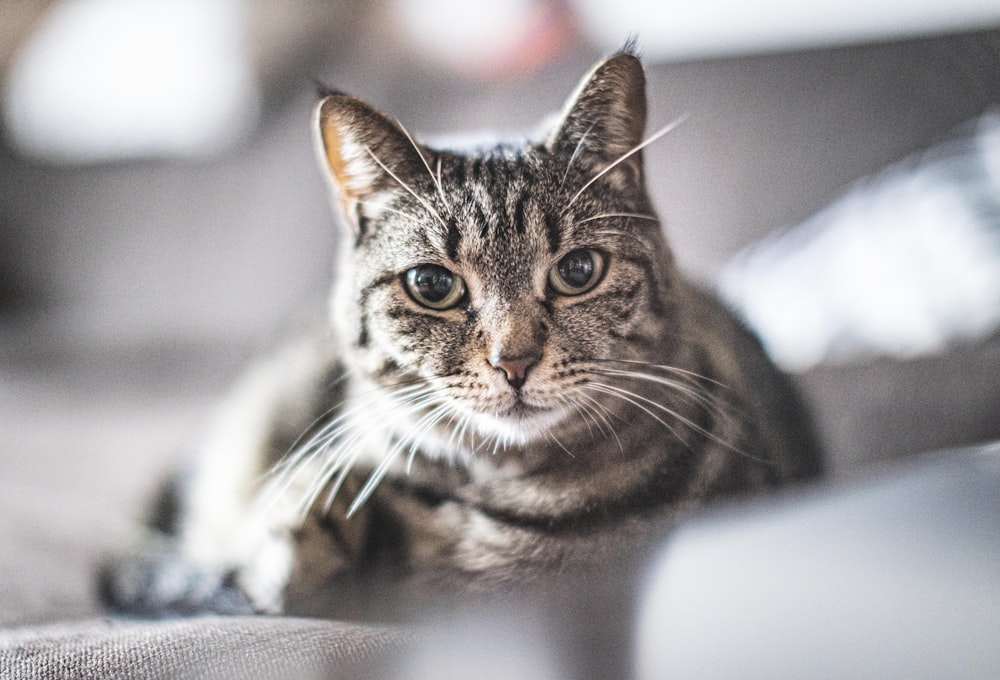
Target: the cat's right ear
pixel 606 117
pixel 364 155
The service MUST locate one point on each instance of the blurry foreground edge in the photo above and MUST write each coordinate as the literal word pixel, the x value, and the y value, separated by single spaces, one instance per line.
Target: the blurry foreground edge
pixel 891 576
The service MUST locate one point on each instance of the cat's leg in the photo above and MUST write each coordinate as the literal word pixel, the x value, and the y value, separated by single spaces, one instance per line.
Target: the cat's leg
pixel 150 576
pixel 212 548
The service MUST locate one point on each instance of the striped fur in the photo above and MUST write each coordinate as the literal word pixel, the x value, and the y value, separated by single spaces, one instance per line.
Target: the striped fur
pixel 398 448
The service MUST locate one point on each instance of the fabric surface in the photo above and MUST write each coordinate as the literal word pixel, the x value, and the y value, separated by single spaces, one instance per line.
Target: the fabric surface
pixel 238 647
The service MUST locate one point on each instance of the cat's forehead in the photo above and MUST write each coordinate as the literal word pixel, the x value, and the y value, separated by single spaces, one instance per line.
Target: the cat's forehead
pixel 503 210
pixel 492 164
pixel 504 204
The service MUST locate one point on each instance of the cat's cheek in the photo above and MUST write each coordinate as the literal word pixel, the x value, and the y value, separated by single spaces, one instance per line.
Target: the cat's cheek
pixel 582 332
pixel 393 330
pixel 427 344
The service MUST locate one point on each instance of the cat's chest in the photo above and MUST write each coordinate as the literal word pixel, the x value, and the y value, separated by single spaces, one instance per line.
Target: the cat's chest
pixel 492 538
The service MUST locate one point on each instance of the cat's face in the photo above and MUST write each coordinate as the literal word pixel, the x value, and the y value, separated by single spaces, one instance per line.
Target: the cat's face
pixel 500 280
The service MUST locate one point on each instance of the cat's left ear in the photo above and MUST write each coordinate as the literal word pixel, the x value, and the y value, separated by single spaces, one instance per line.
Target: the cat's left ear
pixel 364 154
pixel 606 117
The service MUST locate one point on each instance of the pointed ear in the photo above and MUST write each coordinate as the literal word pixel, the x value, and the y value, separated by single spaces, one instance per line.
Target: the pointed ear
pixel 606 116
pixel 364 154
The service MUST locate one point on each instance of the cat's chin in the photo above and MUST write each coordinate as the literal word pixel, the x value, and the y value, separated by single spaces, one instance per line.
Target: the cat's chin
pixel 521 425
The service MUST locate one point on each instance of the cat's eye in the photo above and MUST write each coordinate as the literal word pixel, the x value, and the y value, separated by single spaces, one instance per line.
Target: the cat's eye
pixel 434 286
pixel 577 272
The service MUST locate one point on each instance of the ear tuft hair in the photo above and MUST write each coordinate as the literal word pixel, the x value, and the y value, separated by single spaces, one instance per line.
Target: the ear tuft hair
pixel 323 90
pixel 631 46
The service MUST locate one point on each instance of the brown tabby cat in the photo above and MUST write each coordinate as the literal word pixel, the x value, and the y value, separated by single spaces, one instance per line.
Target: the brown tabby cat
pixel 515 382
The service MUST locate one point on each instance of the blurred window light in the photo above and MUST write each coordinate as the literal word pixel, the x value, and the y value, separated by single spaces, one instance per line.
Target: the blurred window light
pixel 906 263
pixel 688 30
pixel 486 38
pixel 107 80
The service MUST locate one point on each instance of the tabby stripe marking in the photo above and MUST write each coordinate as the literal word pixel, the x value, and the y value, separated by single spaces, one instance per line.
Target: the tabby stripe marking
pixel 452 240
pixel 553 233
pixel 479 217
pixel 519 225
pixel 379 282
pixel 672 480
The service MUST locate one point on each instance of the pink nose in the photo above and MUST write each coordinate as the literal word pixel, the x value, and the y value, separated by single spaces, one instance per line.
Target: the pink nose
pixel 515 368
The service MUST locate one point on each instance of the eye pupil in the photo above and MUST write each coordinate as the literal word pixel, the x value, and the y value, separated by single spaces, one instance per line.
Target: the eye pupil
pixel 434 286
pixel 577 272
pixel 432 283
pixel 577 268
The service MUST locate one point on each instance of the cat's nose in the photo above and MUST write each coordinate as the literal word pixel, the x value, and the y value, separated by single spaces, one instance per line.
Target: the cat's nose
pixel 515 368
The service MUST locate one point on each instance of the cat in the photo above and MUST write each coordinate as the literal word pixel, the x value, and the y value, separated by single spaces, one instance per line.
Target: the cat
pixel 514 382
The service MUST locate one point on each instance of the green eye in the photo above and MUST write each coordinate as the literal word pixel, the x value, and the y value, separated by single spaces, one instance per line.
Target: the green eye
pixel 577 272
pixel 434 286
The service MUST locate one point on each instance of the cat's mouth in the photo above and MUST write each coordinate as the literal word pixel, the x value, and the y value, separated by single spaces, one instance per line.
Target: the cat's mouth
pixel 522 412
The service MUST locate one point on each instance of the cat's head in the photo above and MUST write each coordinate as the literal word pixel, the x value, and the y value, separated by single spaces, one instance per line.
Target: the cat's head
pixel 503 279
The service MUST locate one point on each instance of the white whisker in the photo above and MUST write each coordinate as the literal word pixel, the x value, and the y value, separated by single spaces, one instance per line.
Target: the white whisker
pixel 695 393
pixel 432 418
pixel 439 180
pixel 341 465
pixel 339 443
pixel 587 418
pixel 419 430
pixel 668 369
pixel 420 199
pixel 634 150
pixel 378 206
pixel 435 180
pixel 573 157
pixel 552 438
pixel 603 216
pixel 636 400
pixel 604 413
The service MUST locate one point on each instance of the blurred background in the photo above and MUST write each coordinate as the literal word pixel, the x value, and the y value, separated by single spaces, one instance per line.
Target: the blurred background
pixel 162 217
pixel 159 196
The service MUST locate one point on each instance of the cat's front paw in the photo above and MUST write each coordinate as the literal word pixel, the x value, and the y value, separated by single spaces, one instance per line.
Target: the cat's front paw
pixel 163 583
